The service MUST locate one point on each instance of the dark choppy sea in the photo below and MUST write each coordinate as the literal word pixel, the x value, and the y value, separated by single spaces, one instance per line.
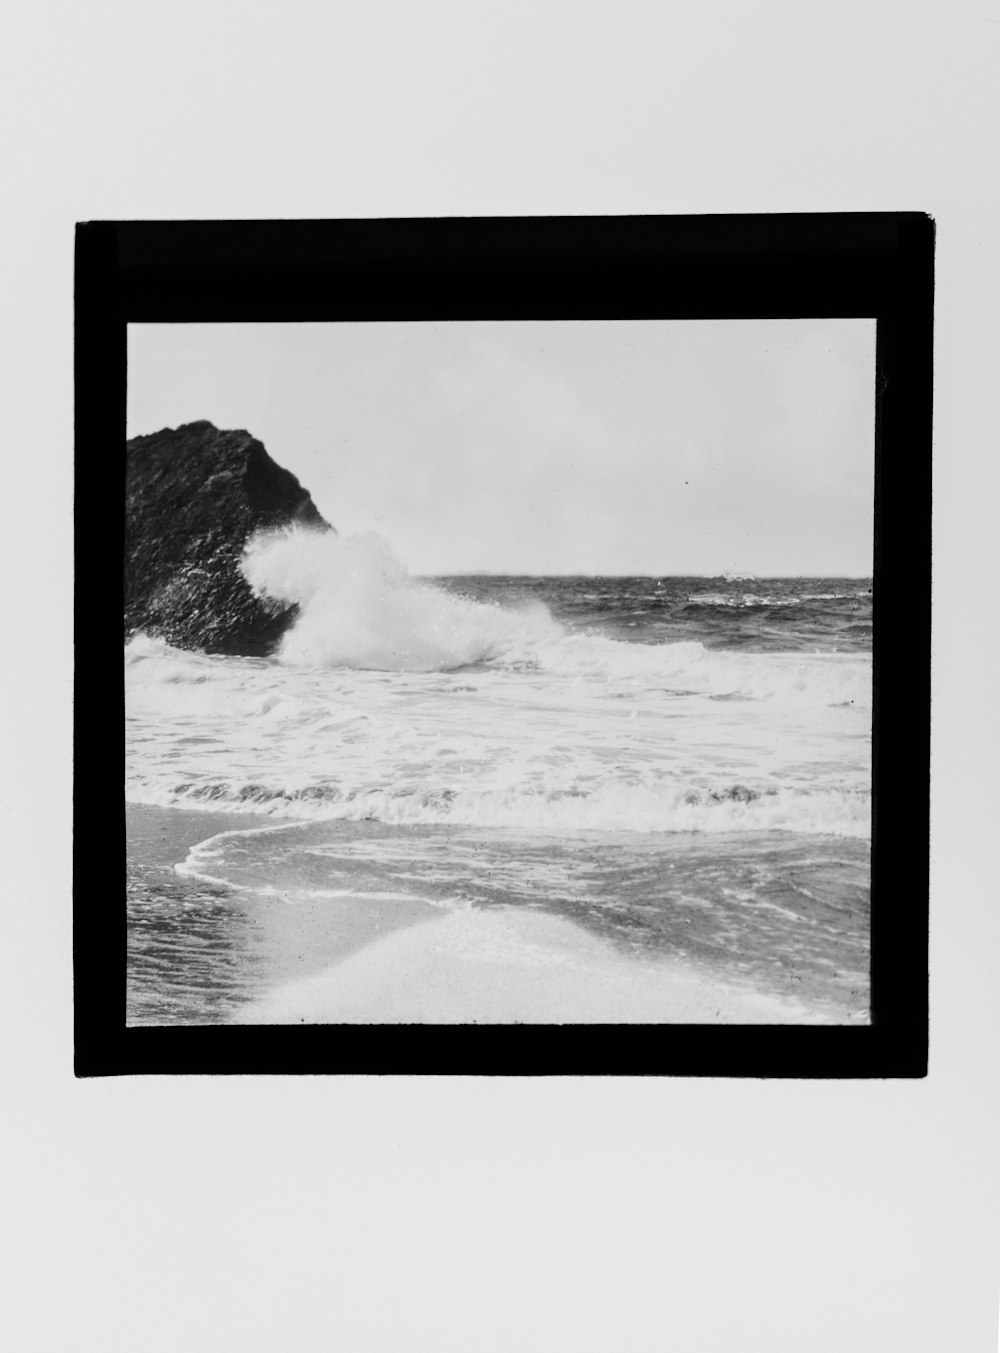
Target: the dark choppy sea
pixel 591 786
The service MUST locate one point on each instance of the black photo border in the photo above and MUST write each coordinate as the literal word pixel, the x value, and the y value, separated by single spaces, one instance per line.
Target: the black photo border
pixel 870 265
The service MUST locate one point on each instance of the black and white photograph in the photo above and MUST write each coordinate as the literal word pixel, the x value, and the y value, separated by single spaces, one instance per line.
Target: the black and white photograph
pixel 531 883
pixel 492 672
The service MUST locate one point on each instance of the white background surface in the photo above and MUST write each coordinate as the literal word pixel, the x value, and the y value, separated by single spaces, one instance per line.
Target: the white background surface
pixel 313 1214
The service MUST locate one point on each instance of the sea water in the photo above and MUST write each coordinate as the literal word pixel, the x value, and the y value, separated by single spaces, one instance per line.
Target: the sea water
pixel 598 789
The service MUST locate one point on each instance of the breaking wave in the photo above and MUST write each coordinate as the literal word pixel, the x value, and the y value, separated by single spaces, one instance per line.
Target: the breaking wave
pixel 360 608
pixel 549 728
pixel 614 807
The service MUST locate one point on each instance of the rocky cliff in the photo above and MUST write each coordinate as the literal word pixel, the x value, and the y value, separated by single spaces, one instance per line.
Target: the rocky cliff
pixel 193 497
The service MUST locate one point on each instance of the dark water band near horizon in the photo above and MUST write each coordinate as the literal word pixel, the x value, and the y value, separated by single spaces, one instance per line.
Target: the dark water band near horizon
pixel 788 614
pixel 608 798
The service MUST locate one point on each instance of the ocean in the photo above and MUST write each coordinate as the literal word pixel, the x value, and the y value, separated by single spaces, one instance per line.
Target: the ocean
pixel 507 799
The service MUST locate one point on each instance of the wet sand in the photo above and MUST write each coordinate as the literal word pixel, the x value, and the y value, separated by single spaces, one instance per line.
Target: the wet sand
pixel 511 966
pixel 203 952
pixel 199 952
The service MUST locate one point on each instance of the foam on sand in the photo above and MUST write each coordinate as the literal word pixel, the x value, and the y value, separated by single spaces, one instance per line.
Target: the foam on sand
pixel 504 966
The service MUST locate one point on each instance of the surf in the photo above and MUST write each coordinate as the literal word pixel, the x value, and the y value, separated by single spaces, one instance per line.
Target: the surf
pixel 360 608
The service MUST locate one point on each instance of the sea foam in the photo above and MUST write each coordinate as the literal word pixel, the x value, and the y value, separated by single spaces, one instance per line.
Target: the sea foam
pixel 547 728
pixel 615 807
pixel 360 608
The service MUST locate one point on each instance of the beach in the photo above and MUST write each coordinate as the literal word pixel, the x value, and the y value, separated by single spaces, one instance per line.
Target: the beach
pixel 198 952
pixel 486 800
pixel 204 951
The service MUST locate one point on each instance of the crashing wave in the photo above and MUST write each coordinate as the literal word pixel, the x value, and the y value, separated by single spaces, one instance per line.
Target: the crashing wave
pixel 360 608
pixel 610 808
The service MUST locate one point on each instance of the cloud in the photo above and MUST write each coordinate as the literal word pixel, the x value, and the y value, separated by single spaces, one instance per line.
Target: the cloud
pixel 551 447
pixel 520 448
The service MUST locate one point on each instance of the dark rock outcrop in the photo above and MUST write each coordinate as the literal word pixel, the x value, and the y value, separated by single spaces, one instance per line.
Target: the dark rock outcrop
pixel 193 497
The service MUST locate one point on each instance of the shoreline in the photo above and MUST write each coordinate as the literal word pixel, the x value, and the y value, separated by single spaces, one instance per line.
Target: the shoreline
pixel 258 958
pixel 514 966
pixel 161 836
pixel 235 946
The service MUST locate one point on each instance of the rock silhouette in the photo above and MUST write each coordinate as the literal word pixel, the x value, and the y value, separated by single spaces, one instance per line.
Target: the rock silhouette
pixel 193 497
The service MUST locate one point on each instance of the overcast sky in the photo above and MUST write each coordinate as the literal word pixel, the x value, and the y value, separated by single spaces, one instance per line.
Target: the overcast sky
pixel 658 447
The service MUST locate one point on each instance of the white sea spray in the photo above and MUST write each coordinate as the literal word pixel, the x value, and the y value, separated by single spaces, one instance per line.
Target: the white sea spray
pixel 454 745
pixel 360 608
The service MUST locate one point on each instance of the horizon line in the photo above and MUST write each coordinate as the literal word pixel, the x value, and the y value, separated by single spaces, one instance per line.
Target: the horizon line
pixel 708 577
